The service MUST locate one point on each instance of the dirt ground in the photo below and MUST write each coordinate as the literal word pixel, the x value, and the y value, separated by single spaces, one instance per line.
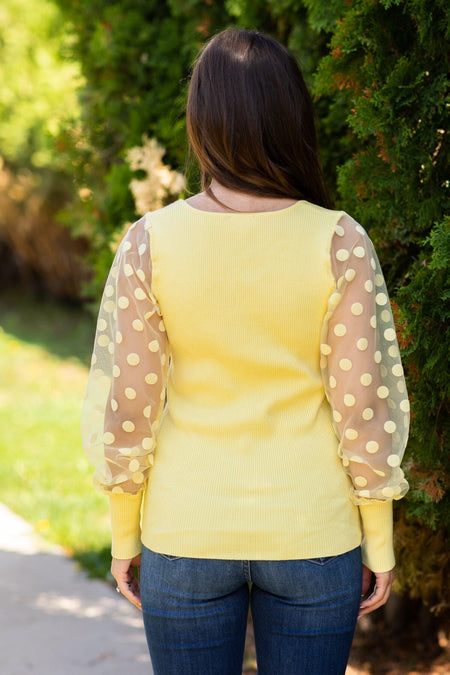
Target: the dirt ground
pixel 416 650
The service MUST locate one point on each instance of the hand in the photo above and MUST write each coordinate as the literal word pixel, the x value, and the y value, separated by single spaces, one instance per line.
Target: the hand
pixel 127 581
pixel 381 591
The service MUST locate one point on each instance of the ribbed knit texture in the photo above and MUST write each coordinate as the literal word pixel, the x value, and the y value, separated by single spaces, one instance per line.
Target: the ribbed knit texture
pixel 246 464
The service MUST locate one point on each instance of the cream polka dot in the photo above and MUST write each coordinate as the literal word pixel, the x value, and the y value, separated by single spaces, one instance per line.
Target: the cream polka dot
pixel 153 346
pixel 377 356
pixel 397 370
pixel 116 371
pixel 138 325
pixel 342 254
pixel 325 349
pixel 366 379
pixel 390 427
pixel 357 309
pixel 93 359
pixel 335 299
pixel 337 416
pixel 128 426
pixel 147 443
pixel 103 340
pixel 401 387
pixel 115 314
pixel 372 447
pixel 138 477
pixel 381 298
pixel 389 334
pixel 123 302
pixel 102 324
pixel 114 271
pixel 373 264
pixel 133 359
pixel 140 274
pixel 345 462
pixel 323 362
pixel 393 460
pixel 340 281
pixel 139 294
pixel 109 306
pixel 130 393
pixel 362 344
pixel 359 252
pixel 340 231
pixel 393 351
pixel 151 378
pixel 134 465
pixel 148 411
pixel 117 490
pixel 368 286
pixel 387 492
pixel 385 316
pixel 360 229
pixel 126 246
pixel 360 481
pixel 350 274
pixel 351 434
pixel 111 348
pixel 142 248
pixel 364 493
pixel 349 400
pixel 332 382
pixel 379 281
pixel 340 330
pixel 367 414
pixel 119 337
pixel 345 364
pixel 163 359
pixel 404 405
pixel 114 405
pixel 125 451
pixel 162 327
pixel 382 392
pixel 109 291
pixel 128 270
pixel 391 404
pixel 383 371
pixel 108 438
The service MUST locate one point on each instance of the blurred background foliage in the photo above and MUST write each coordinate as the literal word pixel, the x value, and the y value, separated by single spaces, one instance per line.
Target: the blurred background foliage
pixel 85 82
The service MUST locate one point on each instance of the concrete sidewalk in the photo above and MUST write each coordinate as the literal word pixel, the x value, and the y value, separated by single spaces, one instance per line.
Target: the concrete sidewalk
pixel 56 621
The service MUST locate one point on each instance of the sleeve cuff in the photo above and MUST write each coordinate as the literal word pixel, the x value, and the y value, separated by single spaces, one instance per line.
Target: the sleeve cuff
pixel 377 545
pixel 125 511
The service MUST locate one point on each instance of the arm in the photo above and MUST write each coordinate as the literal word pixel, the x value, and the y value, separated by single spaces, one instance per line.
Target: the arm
pixel 126 388
pixel 365 386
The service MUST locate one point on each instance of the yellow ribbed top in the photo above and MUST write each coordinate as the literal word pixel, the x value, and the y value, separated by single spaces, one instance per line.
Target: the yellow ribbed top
pixel 226 313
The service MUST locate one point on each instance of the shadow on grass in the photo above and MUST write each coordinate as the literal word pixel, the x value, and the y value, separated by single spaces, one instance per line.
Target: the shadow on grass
pixel 65 330
pixel 97 564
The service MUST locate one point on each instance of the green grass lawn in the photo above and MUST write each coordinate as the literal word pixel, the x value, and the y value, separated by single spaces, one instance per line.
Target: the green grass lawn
pixel 44 474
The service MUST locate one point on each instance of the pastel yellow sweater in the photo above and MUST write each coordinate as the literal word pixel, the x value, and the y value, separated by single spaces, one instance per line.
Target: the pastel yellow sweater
pixel 246 398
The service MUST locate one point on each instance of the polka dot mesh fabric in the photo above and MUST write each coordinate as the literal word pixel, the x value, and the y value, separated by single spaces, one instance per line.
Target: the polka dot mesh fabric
pixel 362 371
pixel 126 388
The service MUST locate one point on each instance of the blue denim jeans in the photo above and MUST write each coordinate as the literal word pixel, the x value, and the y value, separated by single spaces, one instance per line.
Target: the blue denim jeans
pixel 304 613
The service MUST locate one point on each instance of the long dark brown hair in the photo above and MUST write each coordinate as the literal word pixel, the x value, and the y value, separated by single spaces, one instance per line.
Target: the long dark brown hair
pixel 250 119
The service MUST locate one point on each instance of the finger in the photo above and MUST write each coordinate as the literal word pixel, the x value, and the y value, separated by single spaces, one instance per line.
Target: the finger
pixel 130 590
pixel 378 598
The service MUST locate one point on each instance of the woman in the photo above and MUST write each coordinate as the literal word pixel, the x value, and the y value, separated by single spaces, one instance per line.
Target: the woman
pixel 262 318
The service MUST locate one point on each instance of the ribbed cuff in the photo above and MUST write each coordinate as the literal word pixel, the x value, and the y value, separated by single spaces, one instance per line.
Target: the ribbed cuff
pixel 377 544
pixel 125 511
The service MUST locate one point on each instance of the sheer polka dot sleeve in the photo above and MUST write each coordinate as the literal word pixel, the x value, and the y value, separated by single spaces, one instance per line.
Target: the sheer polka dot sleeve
pixel 362 371
pixel 126 388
